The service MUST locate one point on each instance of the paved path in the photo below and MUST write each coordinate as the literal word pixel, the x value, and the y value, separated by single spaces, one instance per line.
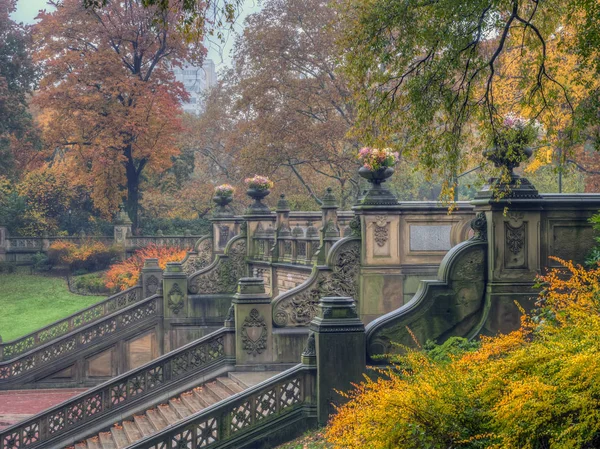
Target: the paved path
pixel 16 405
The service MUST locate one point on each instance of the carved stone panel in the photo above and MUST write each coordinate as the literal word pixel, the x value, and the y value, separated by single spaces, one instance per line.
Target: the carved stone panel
pixel 254 333
pixel 176 299
pixel 224 277
pixel 430 237
pixel 381 236
pixel 515 245
pixel 152 284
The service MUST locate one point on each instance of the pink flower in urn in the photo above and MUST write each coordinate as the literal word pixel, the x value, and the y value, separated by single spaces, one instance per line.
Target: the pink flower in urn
pixel 374 159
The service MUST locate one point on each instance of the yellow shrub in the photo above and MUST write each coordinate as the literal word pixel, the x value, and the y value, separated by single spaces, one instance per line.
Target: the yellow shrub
pixel 534 388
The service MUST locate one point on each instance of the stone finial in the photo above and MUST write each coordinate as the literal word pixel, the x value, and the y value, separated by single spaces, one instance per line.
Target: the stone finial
pixel 311 231
pixel 283 205
pixel 159 233
pixel 329 200
pixel 297 231
pixel 122 216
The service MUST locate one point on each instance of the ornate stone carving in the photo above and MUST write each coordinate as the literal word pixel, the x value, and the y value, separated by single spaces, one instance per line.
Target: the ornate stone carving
pixel 342 280
pixel 176 296
pixel 230 314
pixel 515 238
pixel 381 230
pixel 354 226
pixel 254 333
pixel 152 285
pixel 224 277
pixel 200 260
pixel 479 226
pixel 223 235
pixel 310 349
pixel 515 216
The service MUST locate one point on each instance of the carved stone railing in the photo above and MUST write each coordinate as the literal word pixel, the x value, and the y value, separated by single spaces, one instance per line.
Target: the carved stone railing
pixel 12 349
pixel 135 242
pixel 452 305
pixel 274 405
pixel 339 277
pixel 74 341
pixel 112 397
pixel 200 257
pixel 223 274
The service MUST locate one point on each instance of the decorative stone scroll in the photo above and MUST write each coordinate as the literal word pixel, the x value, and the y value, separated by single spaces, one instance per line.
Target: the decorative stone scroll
pixel 223 277
pixel 176 296
pixel 201 259
pixel 299 306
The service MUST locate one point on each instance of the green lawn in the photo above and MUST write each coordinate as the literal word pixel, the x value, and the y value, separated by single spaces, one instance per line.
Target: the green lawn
pixel 28 302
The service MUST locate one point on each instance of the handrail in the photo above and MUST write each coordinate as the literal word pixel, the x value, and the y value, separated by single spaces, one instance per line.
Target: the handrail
pixel 116 393
pixel 118 301
pixel 257 406
pixel 78 338
pixel 222 275
pixel 339 277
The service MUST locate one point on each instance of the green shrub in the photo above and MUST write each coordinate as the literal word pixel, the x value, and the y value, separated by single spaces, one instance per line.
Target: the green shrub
pixel 41 262
pixel 90 283
pixel 7 267
pixel 89 255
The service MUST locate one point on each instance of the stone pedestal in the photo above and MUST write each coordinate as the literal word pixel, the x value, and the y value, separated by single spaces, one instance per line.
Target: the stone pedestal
pixel 339 352
pixel 151 278
pixel 122 228
pixel 224 229
pixel 514 251
pixel 253 323
pixel 330 232
pixel 175 292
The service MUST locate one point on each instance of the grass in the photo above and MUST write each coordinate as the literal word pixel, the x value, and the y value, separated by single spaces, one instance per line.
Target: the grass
pixel 29 302
pixel 310 440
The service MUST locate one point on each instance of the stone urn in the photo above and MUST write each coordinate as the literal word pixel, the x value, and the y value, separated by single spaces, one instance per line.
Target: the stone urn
pixel 377 194
pixel 501 156
pixel 513 187
pixel 222 202
pixel 258 207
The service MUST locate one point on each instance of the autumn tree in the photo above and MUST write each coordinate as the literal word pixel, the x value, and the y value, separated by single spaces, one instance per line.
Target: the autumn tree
pixel 19 138
pixel 426 75
pixel 110 104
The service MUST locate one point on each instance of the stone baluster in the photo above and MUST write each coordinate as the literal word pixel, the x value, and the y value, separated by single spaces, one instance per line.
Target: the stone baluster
pixel 151 277
pixel 336 344
pixel 253 323
pixel 330 231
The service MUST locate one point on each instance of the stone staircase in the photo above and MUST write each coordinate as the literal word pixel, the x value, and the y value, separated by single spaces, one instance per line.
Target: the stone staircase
pixel 156 418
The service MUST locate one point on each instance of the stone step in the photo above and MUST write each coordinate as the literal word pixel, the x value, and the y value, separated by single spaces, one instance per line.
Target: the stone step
pixel 106 440
pixel 119 436
pixel 246 379
pixel 174 410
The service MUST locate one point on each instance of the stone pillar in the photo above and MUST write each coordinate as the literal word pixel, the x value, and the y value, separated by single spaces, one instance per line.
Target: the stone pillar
pixel 330 232
pixel 253 323
pixel 3 243
pixel 381 289
pixel 515 246
pixel 339 351
pixel 151 277
pixel 224 229
pixel 122 227
pixel 175 291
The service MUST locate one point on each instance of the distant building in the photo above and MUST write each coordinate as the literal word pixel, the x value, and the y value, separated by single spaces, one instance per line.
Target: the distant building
pixel 196 80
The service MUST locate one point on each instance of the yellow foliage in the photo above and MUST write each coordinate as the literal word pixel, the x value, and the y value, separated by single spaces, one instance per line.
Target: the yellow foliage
pixel 535 387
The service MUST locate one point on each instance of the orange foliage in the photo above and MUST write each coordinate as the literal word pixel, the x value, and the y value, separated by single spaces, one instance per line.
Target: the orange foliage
pixel 88 254
pixel 125 274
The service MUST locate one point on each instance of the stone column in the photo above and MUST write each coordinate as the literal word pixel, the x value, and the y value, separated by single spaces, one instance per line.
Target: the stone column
pixel 151 277
pixel 513 229
pixel 3 243
pixel 122 229
pixel 381 289
pixel 339 351
pixel 253 323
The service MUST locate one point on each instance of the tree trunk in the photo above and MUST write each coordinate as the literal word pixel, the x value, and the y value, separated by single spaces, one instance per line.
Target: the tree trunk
pixel 133 194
